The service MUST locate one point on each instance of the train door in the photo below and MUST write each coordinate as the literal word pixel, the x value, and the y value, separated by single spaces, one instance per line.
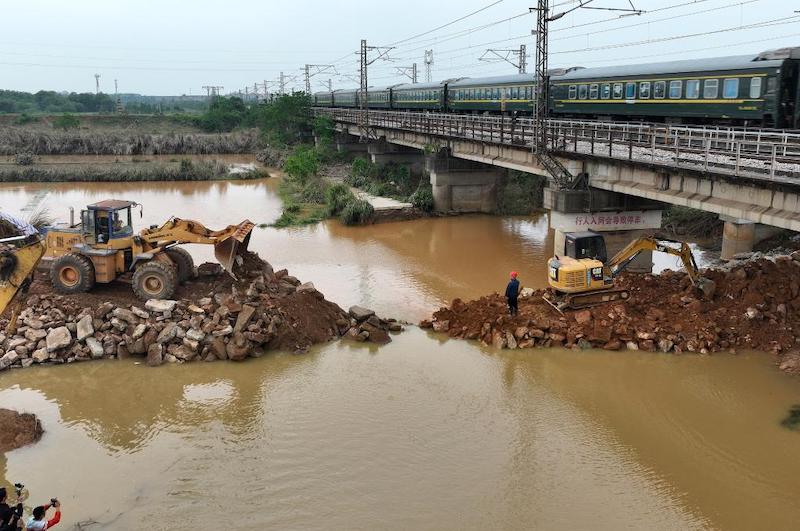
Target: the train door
pixel 788 95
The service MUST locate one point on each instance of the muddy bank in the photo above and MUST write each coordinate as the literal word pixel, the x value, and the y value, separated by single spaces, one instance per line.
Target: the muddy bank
pixel 214 318
pixel 755 305
pixel 18 430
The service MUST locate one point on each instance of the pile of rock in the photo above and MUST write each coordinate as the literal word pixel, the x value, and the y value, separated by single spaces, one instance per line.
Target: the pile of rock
pixel 754 305
pixel 234 320
pixel 364 325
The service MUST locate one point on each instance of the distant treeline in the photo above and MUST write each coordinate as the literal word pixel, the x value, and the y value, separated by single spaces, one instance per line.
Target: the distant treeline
pixel 48 101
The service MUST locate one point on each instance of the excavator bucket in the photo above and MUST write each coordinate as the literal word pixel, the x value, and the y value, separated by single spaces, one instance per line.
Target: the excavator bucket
pixel 235 244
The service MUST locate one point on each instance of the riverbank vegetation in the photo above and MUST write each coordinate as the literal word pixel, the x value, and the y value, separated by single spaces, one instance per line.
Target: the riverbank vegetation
pixel 685 221
pixel 520 193
pixel 173 170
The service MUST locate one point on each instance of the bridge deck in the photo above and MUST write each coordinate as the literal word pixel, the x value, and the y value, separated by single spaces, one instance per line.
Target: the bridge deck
pixel 753 153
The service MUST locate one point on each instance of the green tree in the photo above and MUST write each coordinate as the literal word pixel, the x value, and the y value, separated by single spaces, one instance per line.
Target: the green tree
pixel 285 120
pixel 66 122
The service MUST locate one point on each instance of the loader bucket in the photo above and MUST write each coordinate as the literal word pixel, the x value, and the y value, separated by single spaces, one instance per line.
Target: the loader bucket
pixel 232 245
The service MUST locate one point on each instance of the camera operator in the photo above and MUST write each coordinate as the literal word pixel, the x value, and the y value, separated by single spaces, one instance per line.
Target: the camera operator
pixel 37 522
pixel 9 516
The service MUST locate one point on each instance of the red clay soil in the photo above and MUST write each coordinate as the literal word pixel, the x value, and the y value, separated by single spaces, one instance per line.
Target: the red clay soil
pixel 754 306
pixel 18 430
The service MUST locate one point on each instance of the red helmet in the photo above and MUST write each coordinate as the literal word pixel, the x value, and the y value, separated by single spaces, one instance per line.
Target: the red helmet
pixel 513 274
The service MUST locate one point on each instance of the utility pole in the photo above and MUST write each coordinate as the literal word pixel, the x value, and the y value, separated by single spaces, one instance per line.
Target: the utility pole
pixel 428 65
pixel 329 84
pixel 409 71
pixel 308 79
pixel 97 83
pixel 494 55
pixel 282 84
pixel 117 99
pixel 383 51
pixel 314 70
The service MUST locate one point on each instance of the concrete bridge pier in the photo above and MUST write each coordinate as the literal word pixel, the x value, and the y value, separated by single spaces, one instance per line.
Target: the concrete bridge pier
pixel 381 152
pixel 347 143
pixel 461 185
pixel 620 218
pixel 738 236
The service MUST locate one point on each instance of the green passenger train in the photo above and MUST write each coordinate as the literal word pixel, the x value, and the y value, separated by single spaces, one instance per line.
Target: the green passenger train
pixel 761 90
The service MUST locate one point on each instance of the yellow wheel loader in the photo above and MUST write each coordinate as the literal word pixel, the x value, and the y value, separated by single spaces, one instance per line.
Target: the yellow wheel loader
pixel 583 276
pixel 21 249
pixel 102 248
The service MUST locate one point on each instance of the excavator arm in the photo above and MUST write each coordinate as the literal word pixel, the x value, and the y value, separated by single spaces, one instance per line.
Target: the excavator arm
pixel 674 247
pixel 228 242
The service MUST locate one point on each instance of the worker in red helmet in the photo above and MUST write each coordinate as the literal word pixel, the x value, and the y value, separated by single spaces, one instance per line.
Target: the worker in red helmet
pixel 512 293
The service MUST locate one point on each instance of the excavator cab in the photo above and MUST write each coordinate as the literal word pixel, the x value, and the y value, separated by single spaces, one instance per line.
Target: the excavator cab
pixel 581 267
pixel 581 245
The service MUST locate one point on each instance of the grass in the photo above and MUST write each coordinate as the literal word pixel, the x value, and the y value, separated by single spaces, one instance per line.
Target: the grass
pixel 182 170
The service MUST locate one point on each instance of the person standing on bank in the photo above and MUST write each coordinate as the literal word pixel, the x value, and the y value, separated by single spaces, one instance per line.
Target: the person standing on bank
pixel 512 294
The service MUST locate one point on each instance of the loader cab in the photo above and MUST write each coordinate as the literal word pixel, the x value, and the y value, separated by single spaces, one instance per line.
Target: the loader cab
pixel 581 245
pixel 106 221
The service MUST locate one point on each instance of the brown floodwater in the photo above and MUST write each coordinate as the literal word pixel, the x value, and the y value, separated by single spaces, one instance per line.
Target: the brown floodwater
pixel 424 433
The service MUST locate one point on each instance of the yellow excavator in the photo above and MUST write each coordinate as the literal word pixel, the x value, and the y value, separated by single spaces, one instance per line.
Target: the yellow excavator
pixel 103 247
pixel 583 276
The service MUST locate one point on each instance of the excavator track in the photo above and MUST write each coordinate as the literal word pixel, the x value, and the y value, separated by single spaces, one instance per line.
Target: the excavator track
pixel 578 301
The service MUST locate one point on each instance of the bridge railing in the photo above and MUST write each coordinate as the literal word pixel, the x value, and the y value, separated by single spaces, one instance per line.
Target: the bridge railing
pixel 736 151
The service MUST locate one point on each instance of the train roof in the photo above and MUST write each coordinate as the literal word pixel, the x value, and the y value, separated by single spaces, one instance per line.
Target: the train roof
pixel 419 86
pixel 494 80
pixel 737 62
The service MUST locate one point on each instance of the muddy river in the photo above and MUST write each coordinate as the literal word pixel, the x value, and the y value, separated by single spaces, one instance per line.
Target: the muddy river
pixel 424 433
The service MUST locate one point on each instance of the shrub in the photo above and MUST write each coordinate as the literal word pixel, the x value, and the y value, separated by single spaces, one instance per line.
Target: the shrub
pixel 302 163
pixel 66 122
pixel 313 192
pixel 337 197
pixel 422 198
pixel 356 212
pixel 25 118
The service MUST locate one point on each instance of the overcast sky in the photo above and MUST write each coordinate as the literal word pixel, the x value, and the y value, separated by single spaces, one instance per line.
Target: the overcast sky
pixel 176 47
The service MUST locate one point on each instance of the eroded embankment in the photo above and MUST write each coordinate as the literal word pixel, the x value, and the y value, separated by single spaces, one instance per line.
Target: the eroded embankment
pixel 18 430
pixel 755 305
pixel 215 318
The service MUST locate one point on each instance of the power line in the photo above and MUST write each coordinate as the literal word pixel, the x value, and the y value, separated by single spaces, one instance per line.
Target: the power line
pixel 449 23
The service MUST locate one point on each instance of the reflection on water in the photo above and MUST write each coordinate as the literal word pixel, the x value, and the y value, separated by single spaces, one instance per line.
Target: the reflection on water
pixel 424 433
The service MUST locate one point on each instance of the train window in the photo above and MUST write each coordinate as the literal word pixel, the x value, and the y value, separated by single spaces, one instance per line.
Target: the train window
pixel 660 90
pixel 515 93
pixel 693 89
pixel 497 93
pixel 583 91
pixel 711 89
pixel 594 89
pixel 605 91
pixel 730 88
pixel 771 83
pixel 573 92
pixel 617 91
pixel 644 90
pixel 675 89
pixel 755 87
pixel 630 91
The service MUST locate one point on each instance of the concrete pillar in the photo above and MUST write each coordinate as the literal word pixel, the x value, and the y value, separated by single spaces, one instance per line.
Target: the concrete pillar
pixel 738 236
pixel 465 190
pixel 346 143
pixel 382 152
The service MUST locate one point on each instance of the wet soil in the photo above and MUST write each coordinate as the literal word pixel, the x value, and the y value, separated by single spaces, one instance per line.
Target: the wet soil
pixel 18 430
pixel 754 306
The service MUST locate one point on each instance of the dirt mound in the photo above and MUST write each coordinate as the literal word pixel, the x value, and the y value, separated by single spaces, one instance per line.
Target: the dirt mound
pixel 754 306
pixel 214 317
pixel 18 430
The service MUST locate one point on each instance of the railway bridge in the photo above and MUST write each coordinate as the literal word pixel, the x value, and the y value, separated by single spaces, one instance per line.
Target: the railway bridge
pixel 625 172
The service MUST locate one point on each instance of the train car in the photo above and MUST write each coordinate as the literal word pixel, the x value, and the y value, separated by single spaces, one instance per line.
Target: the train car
pixel 380 97
pixel 759 90
pixel 500 94
pixel 323 99
pixel 347 98
pixel 419 97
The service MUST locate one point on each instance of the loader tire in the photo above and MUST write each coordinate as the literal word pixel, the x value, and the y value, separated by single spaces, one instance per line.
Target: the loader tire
pixel 72 273
pixel 154 280
pixel 183 262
